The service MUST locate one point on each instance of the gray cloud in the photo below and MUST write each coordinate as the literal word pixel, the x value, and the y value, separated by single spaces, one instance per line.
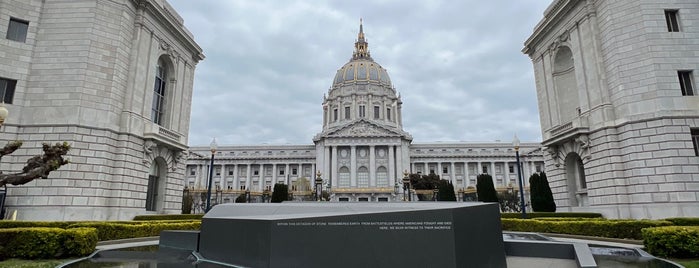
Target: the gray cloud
pixel 457 65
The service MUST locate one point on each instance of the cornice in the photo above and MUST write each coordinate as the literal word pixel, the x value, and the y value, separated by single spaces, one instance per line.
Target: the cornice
pixel 553 16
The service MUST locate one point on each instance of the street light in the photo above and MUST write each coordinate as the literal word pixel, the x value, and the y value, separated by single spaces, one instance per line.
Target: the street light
pixel 319 186
pixel 406 186
pixel 3 114
pixel 212 147
pixel 247 195
pixel 515 142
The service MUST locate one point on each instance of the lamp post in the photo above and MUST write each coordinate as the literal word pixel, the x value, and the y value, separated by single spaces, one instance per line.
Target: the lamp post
pixel 406 186
pixel 319 186
pixel 247 195
pixel 515 142
pixel 212 147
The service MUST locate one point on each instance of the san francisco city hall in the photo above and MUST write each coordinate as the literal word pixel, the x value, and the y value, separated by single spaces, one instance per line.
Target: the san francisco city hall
pixel 361 153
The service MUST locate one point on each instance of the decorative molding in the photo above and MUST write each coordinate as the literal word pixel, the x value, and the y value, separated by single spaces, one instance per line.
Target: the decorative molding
pixel 149 147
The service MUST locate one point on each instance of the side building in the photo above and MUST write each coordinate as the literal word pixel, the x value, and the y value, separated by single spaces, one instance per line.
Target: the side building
pixel 113 78
pixel 617 95
pixel 361 153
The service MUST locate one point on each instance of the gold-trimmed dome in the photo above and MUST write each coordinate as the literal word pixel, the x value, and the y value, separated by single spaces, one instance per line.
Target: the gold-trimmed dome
pixel 361 67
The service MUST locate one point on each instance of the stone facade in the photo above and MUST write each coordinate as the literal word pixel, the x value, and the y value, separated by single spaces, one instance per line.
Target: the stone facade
pixel 85 75
pixel 361 153
pixel 618 105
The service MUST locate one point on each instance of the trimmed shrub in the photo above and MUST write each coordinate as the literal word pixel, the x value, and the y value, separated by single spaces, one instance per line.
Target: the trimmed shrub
pixel 113 231
pixel 46 243
pixel 26 224
pixel 80 241
pixel 629 229
pixel 168 217
pixel 532 215
pixel 446 191
pixel 684 221
pixel 672 241
pixel 486 189
pixel 541 195
pixel 280 193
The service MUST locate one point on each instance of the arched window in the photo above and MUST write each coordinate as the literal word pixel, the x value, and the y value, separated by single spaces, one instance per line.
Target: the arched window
pixel 344 178
pixel 575 177
pixel 566 85
pixel 158 173
pixel 363 177
pixel 159 91
pixel 381 177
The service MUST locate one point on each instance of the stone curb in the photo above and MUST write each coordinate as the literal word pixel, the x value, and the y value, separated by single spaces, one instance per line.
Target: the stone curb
pixel 128 240
pixel 597 238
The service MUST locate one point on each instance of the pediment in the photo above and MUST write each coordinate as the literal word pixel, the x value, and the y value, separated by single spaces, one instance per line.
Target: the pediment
pixel 364 129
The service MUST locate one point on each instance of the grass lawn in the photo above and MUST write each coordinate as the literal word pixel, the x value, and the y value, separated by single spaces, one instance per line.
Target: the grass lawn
pixel 17 263
pixel 687 263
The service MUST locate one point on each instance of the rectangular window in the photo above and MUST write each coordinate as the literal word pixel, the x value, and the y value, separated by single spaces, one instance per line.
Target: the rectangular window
pixel 230 172
pixel 538 168
pixel 512 168
pixel 192 172
pixel 445 170
pixel 17 30
pixel 672 19
pixel 485 169
pixel 334 114
pixel 383 199
pixel 377 110
pixel 281 172
pixel 363 199
pixel 362 112
pixel 695 140
pixel 7 89
pixel 347 112
pixel 294 171
pixel 343 199
pixel 255 172
pixel 686 83
pixel 388 114
pixel 431 171
pixel 158 107
pixel 218 171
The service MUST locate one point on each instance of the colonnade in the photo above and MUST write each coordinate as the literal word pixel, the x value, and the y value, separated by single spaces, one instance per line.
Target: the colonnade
pixel 462 174
pixel 242 176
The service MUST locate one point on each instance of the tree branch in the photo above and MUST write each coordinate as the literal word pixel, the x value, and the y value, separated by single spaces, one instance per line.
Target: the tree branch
pixel 38 166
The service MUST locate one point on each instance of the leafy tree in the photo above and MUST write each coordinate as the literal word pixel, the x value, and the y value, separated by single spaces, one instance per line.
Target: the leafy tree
pixel 38 166
pixel 485 188
pixel 187 202
pixel 280 193
pixel 446 191
pixel 509 201
pixel 541 195
pixel 424 182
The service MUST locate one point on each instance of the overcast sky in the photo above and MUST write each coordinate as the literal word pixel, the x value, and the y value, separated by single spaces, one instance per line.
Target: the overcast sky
pixel 456 64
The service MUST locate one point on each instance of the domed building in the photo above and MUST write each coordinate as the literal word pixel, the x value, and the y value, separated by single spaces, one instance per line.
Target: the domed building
pixel 361 154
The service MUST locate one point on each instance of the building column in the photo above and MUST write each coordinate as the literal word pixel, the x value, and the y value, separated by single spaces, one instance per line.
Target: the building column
pixel 333 166
pixel 248 179
pixel 353 166
pixel 492 171
pixel 274 174
pixel 427 169
pixel 236 184
pixel 399 167
pixel 197 179
pixel 286 176
pixel 466 175
pixel 326 165
pixel 222 183
pixel 391 164
pixel 453 173
pixel 506 181
pixel 372 165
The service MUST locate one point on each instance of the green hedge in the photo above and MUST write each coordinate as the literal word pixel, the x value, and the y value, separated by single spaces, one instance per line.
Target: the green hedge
pixel 672 241
pixel 113 231
pixel 46 243
pixel 24 224
pixel 684 221
pixel 168 217
pixel 531 215
pixel 630 229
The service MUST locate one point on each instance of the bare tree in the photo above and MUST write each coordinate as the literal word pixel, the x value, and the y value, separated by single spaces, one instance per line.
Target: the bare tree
pixel 38 166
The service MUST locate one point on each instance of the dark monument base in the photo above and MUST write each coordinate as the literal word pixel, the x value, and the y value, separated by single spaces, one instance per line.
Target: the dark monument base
pixel 354 235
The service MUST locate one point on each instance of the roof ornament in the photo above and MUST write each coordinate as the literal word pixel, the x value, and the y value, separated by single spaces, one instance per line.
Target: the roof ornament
pixel 361 47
